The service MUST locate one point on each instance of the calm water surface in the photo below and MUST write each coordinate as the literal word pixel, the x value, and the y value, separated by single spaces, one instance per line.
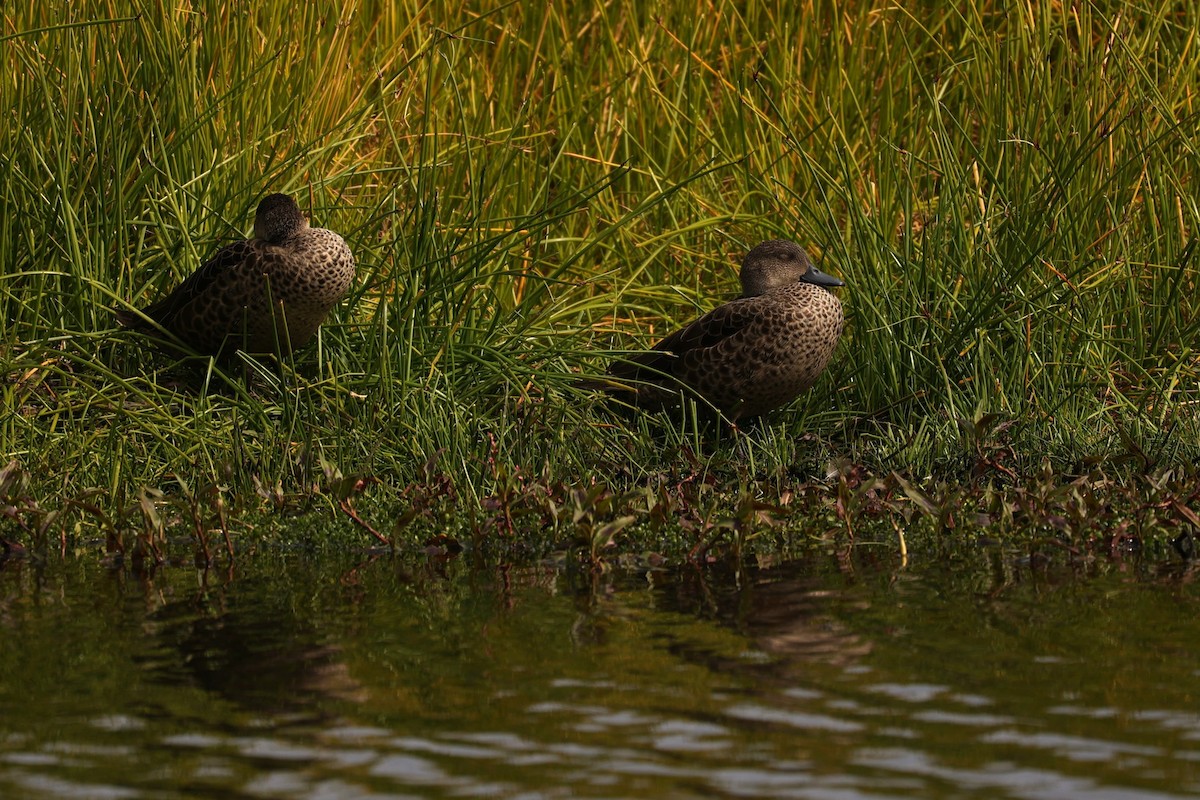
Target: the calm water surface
pixel 834 676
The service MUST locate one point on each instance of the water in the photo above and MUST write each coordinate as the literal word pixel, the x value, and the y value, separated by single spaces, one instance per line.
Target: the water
pixel 831 677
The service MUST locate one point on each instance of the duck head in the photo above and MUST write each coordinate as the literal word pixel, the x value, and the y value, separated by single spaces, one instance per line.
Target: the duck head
pixel 278 218
pixel 777 263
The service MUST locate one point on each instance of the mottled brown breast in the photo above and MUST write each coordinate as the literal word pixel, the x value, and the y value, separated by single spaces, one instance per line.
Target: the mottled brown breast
pixel 259 297
pixel 785 341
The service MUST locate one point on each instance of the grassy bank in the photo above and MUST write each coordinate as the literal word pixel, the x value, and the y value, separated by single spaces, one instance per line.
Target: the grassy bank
pixel 1009 196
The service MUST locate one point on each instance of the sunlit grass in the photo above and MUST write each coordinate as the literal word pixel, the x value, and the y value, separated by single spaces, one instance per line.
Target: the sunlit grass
pixel 1007 193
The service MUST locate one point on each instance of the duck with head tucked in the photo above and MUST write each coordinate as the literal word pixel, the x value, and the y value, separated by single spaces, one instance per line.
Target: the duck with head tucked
pixel 751 355
pixel 268 294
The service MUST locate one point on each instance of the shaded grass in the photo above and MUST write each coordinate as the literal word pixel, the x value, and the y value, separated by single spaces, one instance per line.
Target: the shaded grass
pixel 1008 195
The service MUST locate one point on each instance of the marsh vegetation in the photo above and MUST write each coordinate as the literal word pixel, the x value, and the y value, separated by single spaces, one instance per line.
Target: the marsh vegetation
pixel 532 189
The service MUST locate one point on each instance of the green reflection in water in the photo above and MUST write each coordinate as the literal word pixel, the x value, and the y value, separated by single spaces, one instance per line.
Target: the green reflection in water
pixel 974 676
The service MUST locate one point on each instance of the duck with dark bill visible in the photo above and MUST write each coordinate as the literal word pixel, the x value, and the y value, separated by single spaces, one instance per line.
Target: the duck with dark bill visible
pixel 751 355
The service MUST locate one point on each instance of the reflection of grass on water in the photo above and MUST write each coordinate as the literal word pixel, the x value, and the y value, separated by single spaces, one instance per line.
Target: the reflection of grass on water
pixel 1007 195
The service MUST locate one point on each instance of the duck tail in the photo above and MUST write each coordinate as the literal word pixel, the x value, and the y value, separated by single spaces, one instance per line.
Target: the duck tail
pixel 133 320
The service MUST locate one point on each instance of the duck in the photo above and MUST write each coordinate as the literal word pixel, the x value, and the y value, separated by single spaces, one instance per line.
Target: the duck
pixel 751 355
pixel 265 295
